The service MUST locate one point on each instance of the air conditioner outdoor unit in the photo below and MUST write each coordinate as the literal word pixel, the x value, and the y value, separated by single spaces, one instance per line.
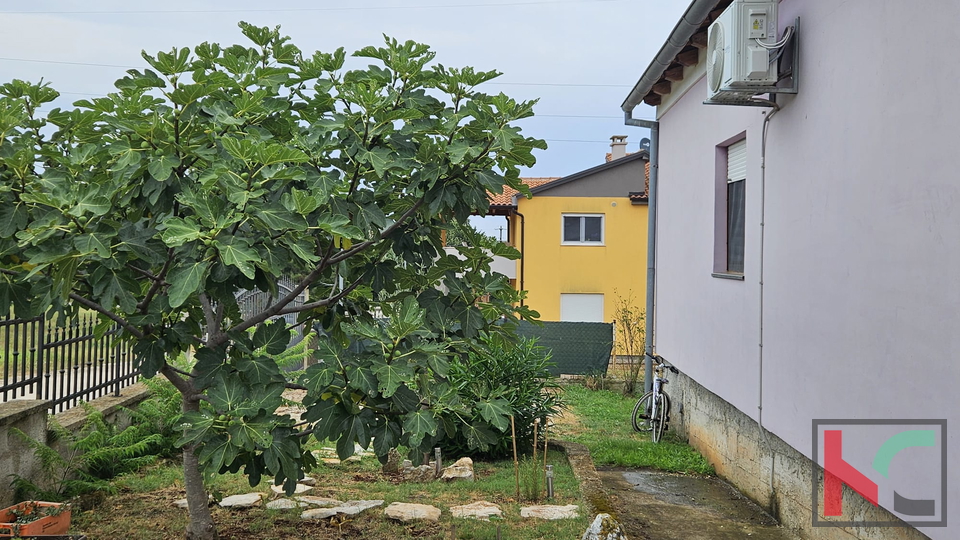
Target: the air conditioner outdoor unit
pixel 738 67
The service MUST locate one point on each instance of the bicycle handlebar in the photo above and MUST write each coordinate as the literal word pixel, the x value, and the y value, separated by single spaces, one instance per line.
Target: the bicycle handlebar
pixel 661 361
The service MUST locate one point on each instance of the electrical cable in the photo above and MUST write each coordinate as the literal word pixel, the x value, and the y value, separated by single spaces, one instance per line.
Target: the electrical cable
pixel 783 41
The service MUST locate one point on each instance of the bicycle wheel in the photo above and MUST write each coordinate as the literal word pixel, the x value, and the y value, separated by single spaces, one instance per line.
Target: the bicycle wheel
pixel 658 424
pixel 641 412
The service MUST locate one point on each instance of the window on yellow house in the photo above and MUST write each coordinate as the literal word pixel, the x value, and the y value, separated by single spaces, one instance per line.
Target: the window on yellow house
pixel 583 229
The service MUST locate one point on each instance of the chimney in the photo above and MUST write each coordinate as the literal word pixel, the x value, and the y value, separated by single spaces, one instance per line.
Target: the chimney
pixel 618 147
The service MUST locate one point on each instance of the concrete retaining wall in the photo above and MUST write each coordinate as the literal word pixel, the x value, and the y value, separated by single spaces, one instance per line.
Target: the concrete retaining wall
pixel 30 416
pixel 764 468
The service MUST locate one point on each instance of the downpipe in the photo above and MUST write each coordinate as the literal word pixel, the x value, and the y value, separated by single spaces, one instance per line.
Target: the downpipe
pixel 649 316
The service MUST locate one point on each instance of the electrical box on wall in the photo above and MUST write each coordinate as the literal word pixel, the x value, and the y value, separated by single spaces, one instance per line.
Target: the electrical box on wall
pixel 741 51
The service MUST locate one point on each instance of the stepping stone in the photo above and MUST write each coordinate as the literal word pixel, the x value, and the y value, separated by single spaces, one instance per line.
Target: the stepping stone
pixel 604 527
pixel 301 488
pixel 241 501
pixel 481 510
pixel 355 507
pixel 319 513
pixel 283 504
pixel 330 461
pixel 322 502
pixel 549 511
pixel 405 512
pixel 350 508
pixel 181 503
pixel 308 481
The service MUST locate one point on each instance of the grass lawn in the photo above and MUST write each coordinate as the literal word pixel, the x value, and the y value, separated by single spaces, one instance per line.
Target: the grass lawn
pixel 600 419
pixel 143 508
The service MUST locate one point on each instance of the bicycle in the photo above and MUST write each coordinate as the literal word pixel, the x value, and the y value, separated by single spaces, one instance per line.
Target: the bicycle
pixel 652 411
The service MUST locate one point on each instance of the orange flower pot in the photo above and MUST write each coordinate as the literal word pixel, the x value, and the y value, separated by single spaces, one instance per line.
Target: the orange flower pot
pixel 50 522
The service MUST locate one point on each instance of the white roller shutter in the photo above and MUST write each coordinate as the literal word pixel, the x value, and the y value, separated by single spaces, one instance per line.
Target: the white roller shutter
pixel 581 307
pixel 737 161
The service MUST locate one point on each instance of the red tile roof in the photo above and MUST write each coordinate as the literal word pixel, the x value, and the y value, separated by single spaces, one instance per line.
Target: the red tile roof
pixel 506 198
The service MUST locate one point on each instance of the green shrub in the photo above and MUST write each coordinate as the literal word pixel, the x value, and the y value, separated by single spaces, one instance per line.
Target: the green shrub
pixel 159 415
pixel 98 452
pixel 515 373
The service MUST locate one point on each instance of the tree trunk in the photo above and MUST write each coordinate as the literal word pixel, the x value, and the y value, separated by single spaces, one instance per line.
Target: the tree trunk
pixel 201 525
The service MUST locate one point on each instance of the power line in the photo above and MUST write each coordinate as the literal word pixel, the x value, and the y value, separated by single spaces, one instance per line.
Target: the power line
pixel 67 63
pixel 279 10
pixel 563 84
pixel 93 64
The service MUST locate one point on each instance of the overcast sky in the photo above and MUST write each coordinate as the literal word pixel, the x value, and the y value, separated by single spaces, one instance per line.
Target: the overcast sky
pixel 580 57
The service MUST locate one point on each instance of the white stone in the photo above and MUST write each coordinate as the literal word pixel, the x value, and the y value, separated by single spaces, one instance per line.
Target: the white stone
pixel 604 527
pixel 349 508
pixel 318 513
pixel 283 504
pixel 301 488
pixel 481 510
pixel 355 507
pixel 549 511
pixel 308 481
pixel 331 461
pixel 322 502
pixel 241 501
pixel 181 503
pixel 409 512
pixel 462 469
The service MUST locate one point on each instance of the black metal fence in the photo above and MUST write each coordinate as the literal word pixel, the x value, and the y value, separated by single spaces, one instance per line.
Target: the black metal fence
pixel 64 364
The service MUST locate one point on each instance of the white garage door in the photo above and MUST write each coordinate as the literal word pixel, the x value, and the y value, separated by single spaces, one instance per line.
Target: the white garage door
pixel 581 307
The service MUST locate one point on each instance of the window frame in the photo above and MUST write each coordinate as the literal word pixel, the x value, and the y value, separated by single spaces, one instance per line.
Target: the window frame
pixel 581 215
pixel 721 253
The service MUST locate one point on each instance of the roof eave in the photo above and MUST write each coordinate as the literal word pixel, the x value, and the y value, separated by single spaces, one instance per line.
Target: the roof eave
pixel 688 25
pixel 642 155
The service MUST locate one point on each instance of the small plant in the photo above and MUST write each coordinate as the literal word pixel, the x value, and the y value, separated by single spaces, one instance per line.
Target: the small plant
pixel 595 380
pixel 631 332
pixel 531 479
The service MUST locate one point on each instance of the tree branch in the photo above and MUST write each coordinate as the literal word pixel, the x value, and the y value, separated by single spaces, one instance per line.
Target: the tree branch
pixel 383 234
pixel 146 273
pixel 326 301
pixel 102 310
pixel 182 385
pixel 157 283
pixel 213 322
pixel 275 309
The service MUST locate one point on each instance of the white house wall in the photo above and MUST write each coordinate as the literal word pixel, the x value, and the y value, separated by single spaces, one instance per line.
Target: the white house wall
pixel 861 300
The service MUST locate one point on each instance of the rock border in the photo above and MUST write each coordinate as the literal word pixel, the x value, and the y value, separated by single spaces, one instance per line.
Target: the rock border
pixel 591 488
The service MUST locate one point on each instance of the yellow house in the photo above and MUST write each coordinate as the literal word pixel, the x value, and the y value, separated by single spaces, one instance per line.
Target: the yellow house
pixel 583 238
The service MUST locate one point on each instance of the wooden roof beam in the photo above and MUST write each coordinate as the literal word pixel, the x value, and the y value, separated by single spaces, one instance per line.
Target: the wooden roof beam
pixel 689 57
pixel 699 40
pixel 662 87
pixel 674 74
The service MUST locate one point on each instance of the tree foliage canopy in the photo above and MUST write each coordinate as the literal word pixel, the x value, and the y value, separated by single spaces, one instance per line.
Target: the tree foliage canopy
pixel 221 169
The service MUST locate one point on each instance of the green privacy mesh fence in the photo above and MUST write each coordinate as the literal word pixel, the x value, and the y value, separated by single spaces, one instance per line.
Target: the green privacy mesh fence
pixel 578 348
